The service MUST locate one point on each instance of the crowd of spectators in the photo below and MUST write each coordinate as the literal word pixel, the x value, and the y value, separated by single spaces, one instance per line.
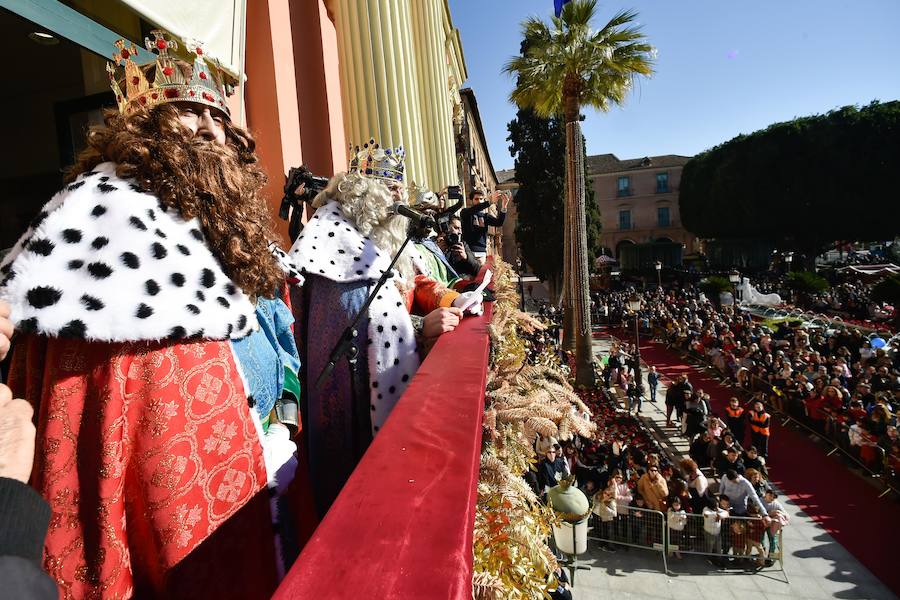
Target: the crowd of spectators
pixel 831 379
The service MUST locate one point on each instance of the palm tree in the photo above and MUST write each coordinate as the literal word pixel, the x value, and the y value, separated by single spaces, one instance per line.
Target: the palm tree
pixel 564 66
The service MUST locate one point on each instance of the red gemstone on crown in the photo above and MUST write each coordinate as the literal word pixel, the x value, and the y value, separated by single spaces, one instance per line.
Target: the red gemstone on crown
pixel 202 75
pixel 171 93
pixel 161 44
pixel 135 80
pixel 167 71
pixel 143 99
pixel 199 51
pixel 190 92
pixel 125 53
pixel 154 95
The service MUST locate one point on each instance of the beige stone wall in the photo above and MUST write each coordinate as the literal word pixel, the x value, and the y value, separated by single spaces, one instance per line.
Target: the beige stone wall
pixel 643 203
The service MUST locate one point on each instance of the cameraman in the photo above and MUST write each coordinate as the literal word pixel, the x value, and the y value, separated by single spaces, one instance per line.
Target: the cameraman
pixel 458 252
pixel 475 221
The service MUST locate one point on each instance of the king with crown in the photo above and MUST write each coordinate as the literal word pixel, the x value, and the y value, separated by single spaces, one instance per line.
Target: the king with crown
pixel 155 343
pixel 344 249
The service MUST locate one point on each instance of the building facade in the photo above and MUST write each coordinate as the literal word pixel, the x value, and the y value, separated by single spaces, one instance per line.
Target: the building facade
pixel 314 76
pixel 638 202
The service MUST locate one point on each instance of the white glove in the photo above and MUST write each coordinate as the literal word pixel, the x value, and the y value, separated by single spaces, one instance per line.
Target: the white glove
pixel 469 302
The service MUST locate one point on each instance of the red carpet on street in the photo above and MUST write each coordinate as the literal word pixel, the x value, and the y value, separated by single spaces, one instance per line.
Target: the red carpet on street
pixel 844 504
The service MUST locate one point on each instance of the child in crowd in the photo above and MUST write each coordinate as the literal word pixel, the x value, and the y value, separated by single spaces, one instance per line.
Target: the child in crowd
pixel 756 529
pixel 605 510
pixel 779 518
pixel 636 520
pixel 677 520
pixel 713 517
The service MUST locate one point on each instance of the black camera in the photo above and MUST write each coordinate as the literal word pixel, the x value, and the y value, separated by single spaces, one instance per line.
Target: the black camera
pixel 453 238
pixel 290 203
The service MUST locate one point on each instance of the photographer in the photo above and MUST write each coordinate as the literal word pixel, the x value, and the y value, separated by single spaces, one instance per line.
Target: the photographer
pixel 475 221
pixel 458 252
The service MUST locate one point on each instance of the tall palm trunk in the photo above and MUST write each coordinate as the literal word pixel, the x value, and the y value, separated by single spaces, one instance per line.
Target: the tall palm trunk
pixel 576 285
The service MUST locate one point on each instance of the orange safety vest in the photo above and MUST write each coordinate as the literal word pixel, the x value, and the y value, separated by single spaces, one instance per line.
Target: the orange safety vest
pixel 734 413
pixel 759 423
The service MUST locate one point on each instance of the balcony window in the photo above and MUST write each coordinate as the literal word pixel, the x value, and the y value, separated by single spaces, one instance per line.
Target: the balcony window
pixel 624 219
pixel 624 186
pixel 662 183
pixel 662 216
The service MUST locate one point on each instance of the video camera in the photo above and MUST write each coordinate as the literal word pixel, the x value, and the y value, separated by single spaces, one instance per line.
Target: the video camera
pixel 291 201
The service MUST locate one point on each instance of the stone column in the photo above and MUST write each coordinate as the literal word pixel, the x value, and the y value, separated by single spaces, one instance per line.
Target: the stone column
pixel 379 77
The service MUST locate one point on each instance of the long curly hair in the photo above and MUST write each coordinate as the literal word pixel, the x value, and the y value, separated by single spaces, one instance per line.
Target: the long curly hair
pixel 367 202
pixel 218 185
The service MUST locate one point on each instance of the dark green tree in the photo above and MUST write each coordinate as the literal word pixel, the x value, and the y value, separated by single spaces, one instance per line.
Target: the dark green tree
pixel 537 145
pixel 803 184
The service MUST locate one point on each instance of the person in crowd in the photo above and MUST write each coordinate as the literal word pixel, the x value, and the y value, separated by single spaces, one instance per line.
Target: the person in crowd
pixel 605 510
pixel 147 299
pixel 637 519
pixel 653 382
pixel 697 483
pixel 24 515
pixel 476 220
pixel 343 250
pixel 760 421
pixel 676 519
pixel 714 515
pixel 756 529
pixel 551 469
pixel 730 460
pixel 734 418
pixel 699 450
pixel 760 485
pixel 561 591
pixel 624 497
pixel 779 516
pixel 740 493
pixel 673 395
pixel 458 251
pixel 752 460
pixel 653 488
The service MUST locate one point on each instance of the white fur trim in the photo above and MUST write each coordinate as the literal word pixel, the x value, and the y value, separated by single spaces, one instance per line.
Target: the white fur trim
pixel 105 261
pixel 349 256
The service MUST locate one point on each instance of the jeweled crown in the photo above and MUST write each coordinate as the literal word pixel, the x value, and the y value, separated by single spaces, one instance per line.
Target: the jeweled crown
pixel 205 85
pixel 374 161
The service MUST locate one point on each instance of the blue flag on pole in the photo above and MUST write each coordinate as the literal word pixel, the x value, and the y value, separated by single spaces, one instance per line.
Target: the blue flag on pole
pixel 558 4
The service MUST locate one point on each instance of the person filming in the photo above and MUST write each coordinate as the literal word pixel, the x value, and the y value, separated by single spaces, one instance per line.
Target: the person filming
pixel 475 221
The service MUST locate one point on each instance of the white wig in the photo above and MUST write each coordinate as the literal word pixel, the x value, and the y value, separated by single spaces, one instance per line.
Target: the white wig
pixel 367 202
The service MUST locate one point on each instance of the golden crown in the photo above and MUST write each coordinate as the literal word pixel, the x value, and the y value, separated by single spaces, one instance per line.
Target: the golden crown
pixel 374 161
pixel 205 85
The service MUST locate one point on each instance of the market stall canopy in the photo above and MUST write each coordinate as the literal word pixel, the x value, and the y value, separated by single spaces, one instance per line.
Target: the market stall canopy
pixel 219 24
pixel 872 270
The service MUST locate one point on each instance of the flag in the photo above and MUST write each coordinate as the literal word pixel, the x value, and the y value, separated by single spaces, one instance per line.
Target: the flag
pixel 558 4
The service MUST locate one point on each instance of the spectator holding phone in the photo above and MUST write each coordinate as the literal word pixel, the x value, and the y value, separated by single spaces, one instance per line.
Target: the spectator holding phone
pixel 475 220
pixel 457 251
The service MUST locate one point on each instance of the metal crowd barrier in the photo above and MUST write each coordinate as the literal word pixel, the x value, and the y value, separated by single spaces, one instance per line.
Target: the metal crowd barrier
pixel 638 528
pixel 738 540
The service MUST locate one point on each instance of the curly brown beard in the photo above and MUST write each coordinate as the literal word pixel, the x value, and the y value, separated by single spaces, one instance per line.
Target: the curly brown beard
pixel 219 185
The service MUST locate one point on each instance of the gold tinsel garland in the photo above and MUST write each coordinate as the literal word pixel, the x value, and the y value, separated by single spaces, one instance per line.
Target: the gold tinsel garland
pixel 511 556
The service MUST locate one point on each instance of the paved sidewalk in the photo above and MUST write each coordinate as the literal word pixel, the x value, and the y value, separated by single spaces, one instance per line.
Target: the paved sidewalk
pixel 815 564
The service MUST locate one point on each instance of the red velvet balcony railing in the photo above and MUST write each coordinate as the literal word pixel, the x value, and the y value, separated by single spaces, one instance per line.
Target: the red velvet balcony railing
pixel 402 525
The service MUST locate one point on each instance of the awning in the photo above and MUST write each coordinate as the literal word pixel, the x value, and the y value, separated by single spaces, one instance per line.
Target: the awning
pixel 219 24
pixel 872 270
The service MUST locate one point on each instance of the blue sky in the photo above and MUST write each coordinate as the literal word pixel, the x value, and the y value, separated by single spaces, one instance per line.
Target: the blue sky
pixel 724 67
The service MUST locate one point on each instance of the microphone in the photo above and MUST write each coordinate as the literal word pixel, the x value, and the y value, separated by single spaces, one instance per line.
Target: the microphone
pixel 419 219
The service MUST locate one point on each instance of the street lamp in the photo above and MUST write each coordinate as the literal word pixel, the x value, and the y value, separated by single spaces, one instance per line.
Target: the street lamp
pixel 734 277
pixel 634 305
pixel 658 273
pixel 789 258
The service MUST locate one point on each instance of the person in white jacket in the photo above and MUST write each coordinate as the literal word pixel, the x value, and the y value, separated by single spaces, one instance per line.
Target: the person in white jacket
pixel 677 519
pixel 623 500
pixel 605 508
pixel 713 517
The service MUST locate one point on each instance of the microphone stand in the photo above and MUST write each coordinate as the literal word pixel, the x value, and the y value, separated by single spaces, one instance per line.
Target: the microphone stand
pixel 346 344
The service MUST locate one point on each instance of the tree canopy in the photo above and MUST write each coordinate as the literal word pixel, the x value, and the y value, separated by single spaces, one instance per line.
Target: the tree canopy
pixel 804 183
pixel 538 145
